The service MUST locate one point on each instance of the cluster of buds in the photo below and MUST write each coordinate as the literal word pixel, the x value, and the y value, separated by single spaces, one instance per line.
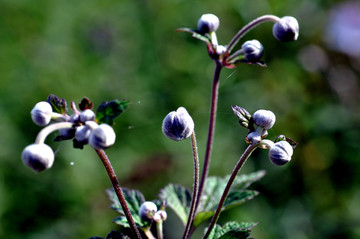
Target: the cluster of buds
pixel 148 211
pixel 284 29
pixel 281 150
pixel 82 127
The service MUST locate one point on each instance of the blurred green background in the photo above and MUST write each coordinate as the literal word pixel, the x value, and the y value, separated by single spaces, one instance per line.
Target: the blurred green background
pixel 129 50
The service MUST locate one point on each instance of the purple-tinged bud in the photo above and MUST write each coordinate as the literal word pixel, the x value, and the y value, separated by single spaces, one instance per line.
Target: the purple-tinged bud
pixel 82 134
pixel 286 29
pixel 178 125
pixel 38 157
pixel 208 23
pixel 253 138
pixel 41 113
pixel 253 50
pixel 147 211
pixel 102 137
pixel 280 153
pixel 264 118
pixel 87 115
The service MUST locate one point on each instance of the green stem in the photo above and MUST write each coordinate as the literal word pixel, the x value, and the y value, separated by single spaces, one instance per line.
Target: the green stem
pixel 110 171
pixel 195 187
pixel 248 27
pixel 237 168
pixel 148 233
pixel 159 229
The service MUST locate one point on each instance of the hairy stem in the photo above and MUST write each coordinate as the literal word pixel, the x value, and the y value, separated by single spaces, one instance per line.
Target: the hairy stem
pixel 237 168
pixel 248 27
pixel 211 132
pixel 115 182
pixel 195 187
pixel 159 229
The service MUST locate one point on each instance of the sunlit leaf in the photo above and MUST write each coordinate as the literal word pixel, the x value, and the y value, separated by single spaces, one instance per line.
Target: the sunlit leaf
pixel 108 111
pixel 232 230
pixel 178 198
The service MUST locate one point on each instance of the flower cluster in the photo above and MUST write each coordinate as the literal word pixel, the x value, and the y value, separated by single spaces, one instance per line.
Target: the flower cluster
pixel 81 126
pixel 148 211
pixel 284 29
pixel 281 150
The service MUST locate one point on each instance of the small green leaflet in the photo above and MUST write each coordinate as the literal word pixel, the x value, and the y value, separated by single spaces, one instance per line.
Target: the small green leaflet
pixel 232 230
pixel 58 105
pixel 109 110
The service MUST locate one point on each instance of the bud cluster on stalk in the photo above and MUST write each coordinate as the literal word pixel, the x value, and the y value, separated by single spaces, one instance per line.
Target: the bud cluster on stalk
pixel 81 127
pixel 148 211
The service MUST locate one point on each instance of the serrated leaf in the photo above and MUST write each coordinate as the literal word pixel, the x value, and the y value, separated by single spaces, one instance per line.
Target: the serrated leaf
pixel 58 105
pixel 108 111
pixel 86 104
pixel 178 198
pixel 134 199
pixel 214 188
pixel 232 230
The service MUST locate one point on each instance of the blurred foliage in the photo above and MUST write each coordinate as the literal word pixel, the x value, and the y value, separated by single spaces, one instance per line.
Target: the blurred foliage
pixel 126 49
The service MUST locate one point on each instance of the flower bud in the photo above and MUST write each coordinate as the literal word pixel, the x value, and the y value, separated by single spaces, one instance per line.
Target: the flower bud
pixel 178 125
pixel 38 157
pixel 286 29
pixel 253 138
pixel 208 23
pixel 147 211
pixel 41 113
pixel 280 153
pixel 220 50
pixel 264 118
pixel 82 134
pixel 102 137
pixel 87 115
pixel 253 50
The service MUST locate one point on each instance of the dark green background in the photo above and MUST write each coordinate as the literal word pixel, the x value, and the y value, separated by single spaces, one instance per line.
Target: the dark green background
pixel 129 49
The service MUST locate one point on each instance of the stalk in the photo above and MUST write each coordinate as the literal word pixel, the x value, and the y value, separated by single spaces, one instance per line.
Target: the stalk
pixel 195 187
pixel 237 168
pixel 115 182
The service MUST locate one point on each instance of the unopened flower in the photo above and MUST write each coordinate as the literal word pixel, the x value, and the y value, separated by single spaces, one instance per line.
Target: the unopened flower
pixel 147 211
pixel 280 153
pixel 41 113
pixel 38 157
pixel 208 23
pixel 82 134
pixel 253 50
pixel 87 115
pixel 286 29
pixel 102 137
pixel 264 118
pixel 178 125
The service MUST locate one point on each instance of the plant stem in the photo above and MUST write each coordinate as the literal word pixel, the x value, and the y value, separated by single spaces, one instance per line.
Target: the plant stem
pixel 115 182
pixel 159 229
pixel 238 166
pixel 248 27
pixel 195 187
pixel 212 121
pixel 148 234
pixel 40 139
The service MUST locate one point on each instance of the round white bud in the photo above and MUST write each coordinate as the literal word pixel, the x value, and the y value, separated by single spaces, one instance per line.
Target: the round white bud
pixel 147 211
pixel 280 153
pixel 87 115
pixel 38 157
pixel 253 50
pixel 286 29
pixel 178 125
pixel 41 113
pixel 102 137
pixel 82 134
pixel 208 23
pixel 264 118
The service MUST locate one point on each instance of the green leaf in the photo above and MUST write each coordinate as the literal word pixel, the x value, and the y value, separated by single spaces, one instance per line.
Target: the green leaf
pixel 108 111
pixel 232 230
pixel 86 104
pixel 178 198
pixel 214 188
pixel 58 105
pixel 134 199
pixel 195 34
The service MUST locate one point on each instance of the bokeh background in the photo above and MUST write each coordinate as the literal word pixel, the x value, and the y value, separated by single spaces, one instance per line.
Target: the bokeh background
pixel 129 49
